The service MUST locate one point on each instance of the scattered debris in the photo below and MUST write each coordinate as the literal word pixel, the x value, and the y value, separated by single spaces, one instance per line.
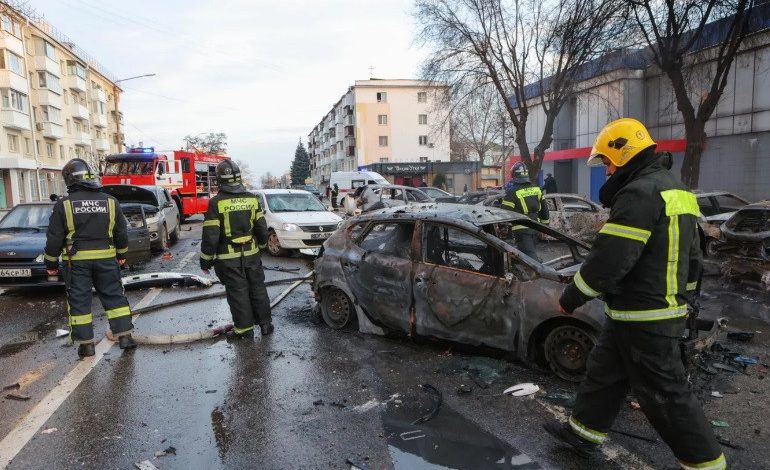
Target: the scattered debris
pixel 411 435
pixel 356 464
pixel 746 360
pixel 522 390
pixel 211 391
pixel 719 423
pixel 15 386
pixel 17 397
pixel 163 279
pixel 464 389
pixel 439 399
pixel 48 430
pixel 634 405
pixel 281 269
pixel 725 367
pixel 561 397
pixel 743 336
pixel 167 256
pixel 716 394
pixel 145 465
pixel 726 442
pixel 168 451
pixel 635 436
pixel 318 403
pixel 60 332
pixel 337 404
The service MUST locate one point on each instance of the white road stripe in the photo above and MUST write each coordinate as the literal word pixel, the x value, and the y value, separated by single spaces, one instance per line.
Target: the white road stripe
pixel 20 435
pixel 186 259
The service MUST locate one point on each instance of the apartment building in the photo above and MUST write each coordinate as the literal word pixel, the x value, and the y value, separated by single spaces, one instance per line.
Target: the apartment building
pixel 381 121
pixel 627 84
pixel 56 104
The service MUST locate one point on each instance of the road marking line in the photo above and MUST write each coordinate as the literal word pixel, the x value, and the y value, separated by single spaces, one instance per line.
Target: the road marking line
pixel 20 435
pixel 184 261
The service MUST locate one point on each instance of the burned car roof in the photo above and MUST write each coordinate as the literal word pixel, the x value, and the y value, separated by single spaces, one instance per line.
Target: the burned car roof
pixel 476 215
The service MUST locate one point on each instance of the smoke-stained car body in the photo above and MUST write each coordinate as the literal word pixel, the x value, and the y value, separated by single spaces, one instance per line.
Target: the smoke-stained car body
pixel 160 211
pixel 372 197
pixel 716 208
pixel 22 242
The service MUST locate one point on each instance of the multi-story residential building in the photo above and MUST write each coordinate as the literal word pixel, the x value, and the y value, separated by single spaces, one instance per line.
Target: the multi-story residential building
pixel 56 104
pixel 626 84
pixel 381 121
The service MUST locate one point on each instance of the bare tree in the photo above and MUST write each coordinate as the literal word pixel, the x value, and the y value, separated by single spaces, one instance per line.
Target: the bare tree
pixel 475 123
pixel 213 142
pixel 525 49
pixel 674 31
pixel 246 174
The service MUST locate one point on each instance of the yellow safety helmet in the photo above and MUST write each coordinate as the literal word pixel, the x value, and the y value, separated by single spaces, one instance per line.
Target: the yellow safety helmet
pixel 620 141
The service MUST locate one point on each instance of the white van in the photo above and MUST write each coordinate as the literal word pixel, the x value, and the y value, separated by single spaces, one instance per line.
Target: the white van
pixel 348 181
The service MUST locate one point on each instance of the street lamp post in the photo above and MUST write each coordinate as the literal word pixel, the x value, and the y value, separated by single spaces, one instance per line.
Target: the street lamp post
pixel 115 94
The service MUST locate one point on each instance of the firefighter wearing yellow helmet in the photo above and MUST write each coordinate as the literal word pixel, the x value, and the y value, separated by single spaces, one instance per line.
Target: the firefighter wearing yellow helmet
pixel 644 264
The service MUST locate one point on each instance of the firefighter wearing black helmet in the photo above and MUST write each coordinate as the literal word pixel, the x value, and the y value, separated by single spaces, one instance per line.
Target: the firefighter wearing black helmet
pixel 234 232
pixel 88 231
pixel 524 197
pixel 645 262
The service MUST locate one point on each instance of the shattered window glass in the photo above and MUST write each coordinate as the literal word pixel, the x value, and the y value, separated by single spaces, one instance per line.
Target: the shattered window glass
pixel 393 239
pixel 551 203
pixel 706 207
pixel 454 248
pixel 573 204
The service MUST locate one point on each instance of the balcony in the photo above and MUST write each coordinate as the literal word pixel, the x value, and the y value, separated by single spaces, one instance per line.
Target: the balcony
pixel 99 120
pixel 82 138
pixel 101 144
pixel 50 130
pixel 12 43
pixel 44 63
pixel 10 79
pixel 78 111
pixel 74 82
pixel 13 119
pixel 97 95
pixel 48 98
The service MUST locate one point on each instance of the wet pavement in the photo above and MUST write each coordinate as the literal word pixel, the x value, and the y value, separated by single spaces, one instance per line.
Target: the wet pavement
pixel 311 397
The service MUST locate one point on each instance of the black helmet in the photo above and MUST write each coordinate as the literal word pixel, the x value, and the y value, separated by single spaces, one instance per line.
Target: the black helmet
pixel 229 177
pixel 520 173
pixel 77 173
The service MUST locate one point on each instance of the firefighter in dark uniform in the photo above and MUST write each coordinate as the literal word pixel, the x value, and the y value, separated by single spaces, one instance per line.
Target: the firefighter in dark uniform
pixel 88 230
pixel 234 232
pixel 525 197
pixel 645 263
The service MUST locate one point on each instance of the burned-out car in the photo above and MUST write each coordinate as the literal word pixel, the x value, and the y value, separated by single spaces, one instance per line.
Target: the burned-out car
pixel 746 242
pixel 716 207
pixel 573 214
pixel 373 197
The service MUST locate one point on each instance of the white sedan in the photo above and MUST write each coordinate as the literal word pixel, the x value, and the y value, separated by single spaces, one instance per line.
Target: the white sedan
pixel 296 220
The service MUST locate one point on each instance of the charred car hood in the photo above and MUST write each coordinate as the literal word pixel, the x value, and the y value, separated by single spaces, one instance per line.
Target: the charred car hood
pixel 22 243
pixel 130 194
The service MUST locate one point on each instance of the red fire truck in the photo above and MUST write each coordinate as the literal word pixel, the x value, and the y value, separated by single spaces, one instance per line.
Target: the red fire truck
pixel 190 177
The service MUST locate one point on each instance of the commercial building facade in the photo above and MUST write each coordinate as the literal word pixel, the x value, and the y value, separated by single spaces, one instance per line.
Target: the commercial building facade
pixel 627 84
pixel 56 104
pixel 381 121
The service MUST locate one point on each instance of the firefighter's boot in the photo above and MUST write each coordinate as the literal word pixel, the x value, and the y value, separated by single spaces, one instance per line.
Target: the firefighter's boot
pixel 266 329
pixel 563 433
pixel 86 349
pixel 126 342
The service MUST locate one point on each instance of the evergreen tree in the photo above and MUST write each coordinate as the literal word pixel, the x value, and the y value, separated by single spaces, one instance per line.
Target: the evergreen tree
pixel 300 167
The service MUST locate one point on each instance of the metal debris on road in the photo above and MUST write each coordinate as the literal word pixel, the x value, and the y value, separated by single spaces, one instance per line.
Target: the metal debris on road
pixel 168 451
pixel 356 464
pixel 464 389
pixel 716 394
pixel 439 399
pixel 163 279
pixel 145 465
pixel 561 397
pixel 725 367
pixel 743 336
pixel 61 333
pixel 211 391
pixel 281 269
pixel 48 430
pixel 746 360
pixel 728 443
pixel 719 423
pixel 18 397
pixel 522 390
pixel 14 386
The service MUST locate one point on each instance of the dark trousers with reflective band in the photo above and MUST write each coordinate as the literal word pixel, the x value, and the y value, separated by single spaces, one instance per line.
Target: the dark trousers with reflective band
pixel 525 242
pixel 246 291
pixel 645 357
pixel 104 276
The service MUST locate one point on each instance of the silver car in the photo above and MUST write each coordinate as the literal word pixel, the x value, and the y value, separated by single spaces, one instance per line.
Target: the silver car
pixel 162 214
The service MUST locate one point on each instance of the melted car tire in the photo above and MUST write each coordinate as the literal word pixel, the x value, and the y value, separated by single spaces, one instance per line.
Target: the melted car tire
pixel 274 245
pixel 336 308
pixel 566 349
pixel 175 234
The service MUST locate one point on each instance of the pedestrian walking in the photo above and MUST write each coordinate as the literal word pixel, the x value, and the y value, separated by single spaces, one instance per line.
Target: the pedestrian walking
pixel 88 230
pixel 234 233
pixel 328 191
pixel 465 188
pixel 549 184
pixel 524 197
pixel 335 193
pixel 645 262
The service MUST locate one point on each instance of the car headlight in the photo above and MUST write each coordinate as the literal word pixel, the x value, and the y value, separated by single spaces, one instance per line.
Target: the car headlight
pixel 40 258
pixel 290 227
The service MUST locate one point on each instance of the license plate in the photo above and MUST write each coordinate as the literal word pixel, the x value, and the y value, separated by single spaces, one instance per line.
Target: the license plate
pixel 317 236
pixel 15 273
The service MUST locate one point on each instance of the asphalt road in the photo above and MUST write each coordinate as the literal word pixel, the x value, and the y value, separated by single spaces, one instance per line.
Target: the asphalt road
pixel 310 397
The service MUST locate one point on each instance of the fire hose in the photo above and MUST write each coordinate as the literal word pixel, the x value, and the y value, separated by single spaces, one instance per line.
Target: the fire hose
pixel 208 333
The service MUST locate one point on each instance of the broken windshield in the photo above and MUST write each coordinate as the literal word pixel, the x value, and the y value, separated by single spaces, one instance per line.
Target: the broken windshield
pixel 293 202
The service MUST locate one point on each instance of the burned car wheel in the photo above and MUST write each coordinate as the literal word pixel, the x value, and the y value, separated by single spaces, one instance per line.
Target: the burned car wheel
pixel 712 248
pixel 566 349
pixel 274 245
pixel 336 308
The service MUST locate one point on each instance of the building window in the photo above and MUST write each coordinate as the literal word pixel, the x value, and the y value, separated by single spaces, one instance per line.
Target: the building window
pixel 46 48
pixel 382 119
pixel 11 26
pixel 61 151
pixel 51 114
pixel 383 160
pixel 422 97
pixel 383 141
pixel 27 146
pixel 382 97
pixel 423 159
pixel 37 146
pixel 49 149
pixel 422 119
pixel 69 129
pixel 423 140
pixel 66 97
pixel 77 152
pixel 49 81
pixel 76 68
pixel 13 143
pixel 14 99
pixel 15 63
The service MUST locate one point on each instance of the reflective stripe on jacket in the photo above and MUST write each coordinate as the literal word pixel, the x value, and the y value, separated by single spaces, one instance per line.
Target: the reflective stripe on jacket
pixel 234 226
pixel 527 199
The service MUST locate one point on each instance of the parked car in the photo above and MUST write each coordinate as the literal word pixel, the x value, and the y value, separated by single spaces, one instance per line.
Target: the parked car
pixel 716 207
pixel 22 242
pixel 378 196
pixel 163 219
pixel 296 220
pixel 349 181
pixel 475 197
pixel 438 195
pixel 309 188
pixel 572 214
pixel 446 271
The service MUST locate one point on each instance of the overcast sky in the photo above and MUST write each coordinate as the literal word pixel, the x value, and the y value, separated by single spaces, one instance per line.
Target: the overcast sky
pixel 263 72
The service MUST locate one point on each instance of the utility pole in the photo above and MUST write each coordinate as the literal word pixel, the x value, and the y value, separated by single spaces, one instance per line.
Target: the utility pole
pixel 116 98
